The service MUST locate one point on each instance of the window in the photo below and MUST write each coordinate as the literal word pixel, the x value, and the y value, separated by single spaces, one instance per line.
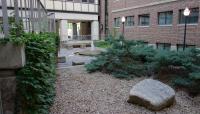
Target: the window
pixel 192 18
pixel 129 21
pixel 84 0
pixel 117 22
pixel 180 47
pixel 165 18
pixel 163 46
pixel 144 20
pixel 91 1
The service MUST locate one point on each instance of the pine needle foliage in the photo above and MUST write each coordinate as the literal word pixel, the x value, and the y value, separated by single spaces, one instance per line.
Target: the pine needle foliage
pixel 129 59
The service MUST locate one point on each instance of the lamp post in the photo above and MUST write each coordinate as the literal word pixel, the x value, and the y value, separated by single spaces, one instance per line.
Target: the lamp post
pixel 186 13
pixel 123 22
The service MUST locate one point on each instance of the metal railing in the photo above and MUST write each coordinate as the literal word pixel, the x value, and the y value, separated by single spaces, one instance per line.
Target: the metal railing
pixel 64 5
pixel 31 13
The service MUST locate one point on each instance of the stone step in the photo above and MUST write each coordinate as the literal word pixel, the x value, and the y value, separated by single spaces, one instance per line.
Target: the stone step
pixel 75 63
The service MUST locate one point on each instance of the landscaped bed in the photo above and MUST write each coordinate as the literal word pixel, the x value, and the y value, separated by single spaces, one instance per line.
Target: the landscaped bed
pixel 78 92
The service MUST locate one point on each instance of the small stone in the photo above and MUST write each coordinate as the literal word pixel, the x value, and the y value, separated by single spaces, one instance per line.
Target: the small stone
pixel 152 94
pixel 61 59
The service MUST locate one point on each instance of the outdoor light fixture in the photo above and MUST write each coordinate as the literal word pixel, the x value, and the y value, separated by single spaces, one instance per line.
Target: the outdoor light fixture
pixel 123 21
pixel 186 13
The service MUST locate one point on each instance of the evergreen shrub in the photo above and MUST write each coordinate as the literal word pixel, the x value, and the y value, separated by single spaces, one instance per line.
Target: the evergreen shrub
pixel 128 59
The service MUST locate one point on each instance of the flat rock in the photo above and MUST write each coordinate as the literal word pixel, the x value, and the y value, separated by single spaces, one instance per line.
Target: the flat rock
pixel 152 94
pixel 89 52
pixel 75 63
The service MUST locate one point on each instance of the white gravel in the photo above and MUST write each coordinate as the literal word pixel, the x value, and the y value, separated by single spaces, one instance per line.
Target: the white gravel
pixel 81 93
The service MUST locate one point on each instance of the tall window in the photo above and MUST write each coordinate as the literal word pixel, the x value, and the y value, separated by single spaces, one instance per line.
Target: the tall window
pixel 117 22
pixel 164 46
pixel 144 20
pixel 165 18
pixel 192 18
pixel 91 1
pixel 130 21
pixel 84 0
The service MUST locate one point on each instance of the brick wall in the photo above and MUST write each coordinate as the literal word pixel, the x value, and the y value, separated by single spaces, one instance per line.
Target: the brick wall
pixel 155 33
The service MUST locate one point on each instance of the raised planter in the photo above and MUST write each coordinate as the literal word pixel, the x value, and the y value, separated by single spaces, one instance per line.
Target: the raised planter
pixel 12 56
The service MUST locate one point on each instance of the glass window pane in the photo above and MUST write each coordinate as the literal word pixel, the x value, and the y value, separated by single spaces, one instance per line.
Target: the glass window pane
pixel 117 22
pixel 144 20
pixel 161 18
pixel 169 18
pixel 129 21
pixel 165 18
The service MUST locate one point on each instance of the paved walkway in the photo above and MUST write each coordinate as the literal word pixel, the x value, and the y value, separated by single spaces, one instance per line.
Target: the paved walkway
pixel 70 57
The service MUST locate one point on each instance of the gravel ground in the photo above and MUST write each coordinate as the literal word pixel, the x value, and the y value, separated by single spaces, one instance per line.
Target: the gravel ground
pixel 81 93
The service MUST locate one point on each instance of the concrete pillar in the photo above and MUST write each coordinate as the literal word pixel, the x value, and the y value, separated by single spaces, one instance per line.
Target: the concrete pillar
pixel 95 30
pixel 12 58
pixel 63 30
pixel 7 91
pixel 74 29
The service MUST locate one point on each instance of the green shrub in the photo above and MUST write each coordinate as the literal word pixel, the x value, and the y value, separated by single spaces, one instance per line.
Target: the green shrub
pixel 102 44
pixel 127 59
pixel 36 81
pixel 121 59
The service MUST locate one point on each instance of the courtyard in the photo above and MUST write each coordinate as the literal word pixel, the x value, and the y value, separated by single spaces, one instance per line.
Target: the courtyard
pixel 99 57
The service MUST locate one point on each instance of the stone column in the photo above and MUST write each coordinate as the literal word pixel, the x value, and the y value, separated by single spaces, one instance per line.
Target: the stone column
pixel 95 30
pixel 63 30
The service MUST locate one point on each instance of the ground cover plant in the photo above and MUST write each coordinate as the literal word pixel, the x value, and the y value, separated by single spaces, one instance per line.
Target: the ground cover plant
pixel 36 80
pixel 102 44
pixel 128 59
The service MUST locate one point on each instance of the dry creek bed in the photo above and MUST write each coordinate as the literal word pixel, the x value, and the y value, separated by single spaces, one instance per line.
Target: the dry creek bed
pixel 78 92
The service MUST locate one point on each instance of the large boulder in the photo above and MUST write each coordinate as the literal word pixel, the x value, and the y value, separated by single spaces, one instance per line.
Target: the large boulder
pixel 152 94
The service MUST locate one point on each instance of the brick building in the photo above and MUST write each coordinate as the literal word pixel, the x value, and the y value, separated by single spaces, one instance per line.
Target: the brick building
pixel 158 22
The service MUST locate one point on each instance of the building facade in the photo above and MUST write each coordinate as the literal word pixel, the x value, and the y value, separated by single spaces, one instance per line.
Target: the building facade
pixel 158 22
pixel 75 19
pixel 72 19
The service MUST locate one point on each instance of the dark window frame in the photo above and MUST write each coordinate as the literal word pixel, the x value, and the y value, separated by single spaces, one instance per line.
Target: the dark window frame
pixel 145 17
pixel 130 22
pixel 117 22
pixel 166 14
